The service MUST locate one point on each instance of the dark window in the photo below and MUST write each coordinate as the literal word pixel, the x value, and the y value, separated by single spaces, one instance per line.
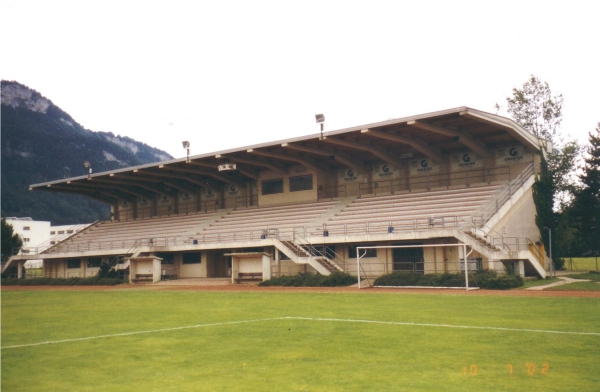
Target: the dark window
pixel 26 228
pixel 369 252
pixel 167 258
pixel 74 263
pixel 93 262
pixel 301 183
pixel 271 187
pixel 192 258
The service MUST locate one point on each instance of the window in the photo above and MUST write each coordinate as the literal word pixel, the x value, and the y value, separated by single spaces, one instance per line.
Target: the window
pixel 52 232
pixel 69 231
pixel 271 187
pixel 25 239
pixel 167 258
pixel 74 263
pixel 61 232
pixel 26 228
pixel 301 183
pixel 369 252
pixel 52 242
pixel 192 258
pixel 94 262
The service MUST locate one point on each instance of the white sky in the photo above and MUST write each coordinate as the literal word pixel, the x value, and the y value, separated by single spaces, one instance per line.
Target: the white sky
pixel 225 74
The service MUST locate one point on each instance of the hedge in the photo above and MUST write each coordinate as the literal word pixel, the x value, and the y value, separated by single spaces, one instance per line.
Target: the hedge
pixel 484 280
pixel 336 279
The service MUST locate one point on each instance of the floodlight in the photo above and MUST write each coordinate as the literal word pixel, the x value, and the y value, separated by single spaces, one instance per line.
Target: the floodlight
pixel 86 164
pixel 186 145
pixel 89 167
pixel 320 120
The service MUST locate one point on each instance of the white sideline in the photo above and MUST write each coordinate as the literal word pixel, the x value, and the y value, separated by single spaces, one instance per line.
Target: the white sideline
pixel 405 323
pixel 445 326
pixel 139 332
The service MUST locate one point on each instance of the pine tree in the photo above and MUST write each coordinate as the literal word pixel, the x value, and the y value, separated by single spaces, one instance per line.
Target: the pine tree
pixel 587 200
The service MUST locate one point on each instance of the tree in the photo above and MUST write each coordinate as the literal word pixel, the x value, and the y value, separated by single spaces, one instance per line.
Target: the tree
pixel 538 111
pixel 535 109
pixel 10 240
pixel 587 200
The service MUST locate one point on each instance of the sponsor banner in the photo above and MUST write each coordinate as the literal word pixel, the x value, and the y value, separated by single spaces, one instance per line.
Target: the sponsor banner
pixel 186 196
pixel 465 160
pixel 512 155
pixel 231 190
pixel 164 199
pixel 424 166
pixel 209 193
pixel 383 171
pixel 348 175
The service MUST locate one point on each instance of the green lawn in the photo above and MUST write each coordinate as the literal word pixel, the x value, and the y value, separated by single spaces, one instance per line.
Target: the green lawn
pixel 451 345
pixel 581 263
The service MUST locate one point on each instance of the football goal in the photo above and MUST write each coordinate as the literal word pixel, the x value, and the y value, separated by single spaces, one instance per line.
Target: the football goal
pixel 406 258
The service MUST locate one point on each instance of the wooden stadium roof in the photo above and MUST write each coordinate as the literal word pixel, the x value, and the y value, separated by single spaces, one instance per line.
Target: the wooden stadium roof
pixel 432 135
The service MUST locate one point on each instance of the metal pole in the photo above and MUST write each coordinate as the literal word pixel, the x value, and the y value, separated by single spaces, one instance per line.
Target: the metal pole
pixel 466 267
pixel 358 267
pixel 551 259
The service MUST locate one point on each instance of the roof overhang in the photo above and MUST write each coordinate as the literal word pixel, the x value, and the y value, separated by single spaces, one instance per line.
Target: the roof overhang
pixel 431 135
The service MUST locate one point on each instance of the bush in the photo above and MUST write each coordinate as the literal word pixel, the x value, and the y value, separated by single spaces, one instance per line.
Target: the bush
pixel 336 279
pixel 490 280
pixel 91 281
pixel 404 278
pixel 485 280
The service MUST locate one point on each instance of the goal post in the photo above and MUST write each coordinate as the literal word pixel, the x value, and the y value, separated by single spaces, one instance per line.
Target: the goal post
pixel 361 252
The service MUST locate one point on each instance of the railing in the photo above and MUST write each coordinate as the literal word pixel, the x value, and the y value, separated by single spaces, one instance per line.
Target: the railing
pixel 331 192
pixel 321 251
pixel 380 227
pixel 465 178
pixel 168 210
pixel 246 201
pixel 485 212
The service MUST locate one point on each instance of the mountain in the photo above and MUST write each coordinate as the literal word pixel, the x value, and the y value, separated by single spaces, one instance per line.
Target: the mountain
pixel 40 142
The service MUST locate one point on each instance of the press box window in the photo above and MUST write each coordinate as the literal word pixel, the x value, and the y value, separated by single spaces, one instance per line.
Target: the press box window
pixel 301 183
pixel 369 252
pixel 270 187
pixel 94 262
pixel 192 258
pixel 74 263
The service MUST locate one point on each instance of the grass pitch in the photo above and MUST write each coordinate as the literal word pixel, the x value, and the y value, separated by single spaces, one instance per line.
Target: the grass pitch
pixel 139 340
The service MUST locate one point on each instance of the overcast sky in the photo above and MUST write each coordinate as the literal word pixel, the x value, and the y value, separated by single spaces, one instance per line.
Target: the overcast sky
pixel 226 74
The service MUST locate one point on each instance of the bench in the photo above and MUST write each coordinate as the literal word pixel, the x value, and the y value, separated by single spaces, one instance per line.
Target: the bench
pixel 143 278
pixel 249 276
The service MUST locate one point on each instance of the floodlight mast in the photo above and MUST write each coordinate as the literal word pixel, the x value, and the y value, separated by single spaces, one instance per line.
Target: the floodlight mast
pixel 186 146
pixel 320 120
pixel 87 165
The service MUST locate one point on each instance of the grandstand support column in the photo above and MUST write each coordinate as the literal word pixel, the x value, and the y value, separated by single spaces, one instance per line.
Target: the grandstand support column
pixel 20 269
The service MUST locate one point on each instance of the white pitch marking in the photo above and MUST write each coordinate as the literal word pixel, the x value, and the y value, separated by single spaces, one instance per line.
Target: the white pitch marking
pixel 445 326
pixel 139 332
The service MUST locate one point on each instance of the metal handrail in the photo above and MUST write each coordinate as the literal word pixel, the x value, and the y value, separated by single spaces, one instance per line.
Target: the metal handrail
pixel 466 177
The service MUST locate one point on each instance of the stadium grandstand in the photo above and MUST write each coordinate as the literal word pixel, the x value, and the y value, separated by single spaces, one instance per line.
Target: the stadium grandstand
pixel 458 176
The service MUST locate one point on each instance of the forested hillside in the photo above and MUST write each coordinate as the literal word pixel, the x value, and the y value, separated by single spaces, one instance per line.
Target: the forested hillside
pixel 40 142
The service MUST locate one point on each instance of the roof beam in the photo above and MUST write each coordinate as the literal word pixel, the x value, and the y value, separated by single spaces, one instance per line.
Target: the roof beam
pixel 419 145
pixel 97 184
pixel 478 147
pixel 104 198
pixel 140 176
pixel 303 161
pixel 338 156
pixel 216 176
pixel 269 165
pixel 377 152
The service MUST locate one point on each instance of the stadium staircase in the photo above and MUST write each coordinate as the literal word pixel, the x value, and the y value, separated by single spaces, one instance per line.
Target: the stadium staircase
pixel 478 234
pixel 304 254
